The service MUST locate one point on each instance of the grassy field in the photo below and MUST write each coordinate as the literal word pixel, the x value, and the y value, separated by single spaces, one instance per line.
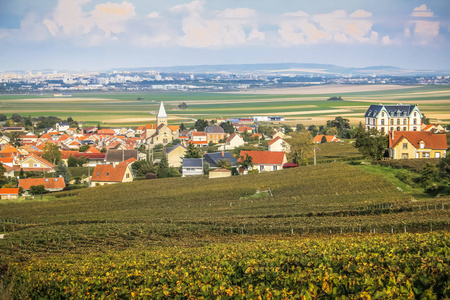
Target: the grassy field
pixel 126 109
pixel 193 237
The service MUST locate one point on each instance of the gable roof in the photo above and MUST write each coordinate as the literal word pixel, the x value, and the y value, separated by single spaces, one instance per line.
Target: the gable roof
pixel 128 161
pixel 264 157
pixel 170 149
pixel 150 126
pixel 213 158
pixel 9 191
pixel 330 138
pixel 275 140
pixel 40 159
pixel 109 173
pixel 48 183
pixel 431 140
pixel 214 129
pixel 113 155
pixel 92 150
pixel 192 163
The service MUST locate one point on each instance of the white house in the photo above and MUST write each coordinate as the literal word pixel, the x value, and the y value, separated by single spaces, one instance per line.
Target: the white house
pixel 398 117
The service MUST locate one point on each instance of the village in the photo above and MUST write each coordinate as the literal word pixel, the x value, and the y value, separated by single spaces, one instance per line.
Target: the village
pixel 34 164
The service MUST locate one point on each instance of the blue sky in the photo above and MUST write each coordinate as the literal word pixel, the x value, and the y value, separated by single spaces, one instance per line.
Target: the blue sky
pixel 102 34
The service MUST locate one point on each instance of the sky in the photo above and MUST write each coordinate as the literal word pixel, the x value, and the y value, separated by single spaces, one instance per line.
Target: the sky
pixel 102 35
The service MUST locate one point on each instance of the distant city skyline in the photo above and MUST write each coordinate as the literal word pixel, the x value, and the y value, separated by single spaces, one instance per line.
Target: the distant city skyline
pixel 108 34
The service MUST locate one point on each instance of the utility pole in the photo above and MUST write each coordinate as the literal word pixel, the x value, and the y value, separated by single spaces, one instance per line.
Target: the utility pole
pixel 89 174
pixel 315 155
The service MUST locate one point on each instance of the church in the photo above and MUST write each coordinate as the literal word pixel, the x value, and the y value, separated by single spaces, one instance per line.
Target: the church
pixel 160 133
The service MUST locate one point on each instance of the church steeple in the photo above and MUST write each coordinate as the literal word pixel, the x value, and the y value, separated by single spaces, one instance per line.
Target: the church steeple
pixel 161 118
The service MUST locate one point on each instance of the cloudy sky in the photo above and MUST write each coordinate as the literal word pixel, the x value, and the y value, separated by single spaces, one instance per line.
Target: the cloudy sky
pixel 102 34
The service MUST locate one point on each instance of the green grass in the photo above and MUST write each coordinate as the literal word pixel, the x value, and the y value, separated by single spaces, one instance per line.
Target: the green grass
pixel 390 174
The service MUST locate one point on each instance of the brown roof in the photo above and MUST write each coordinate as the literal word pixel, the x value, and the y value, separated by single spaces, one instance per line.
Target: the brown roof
pixel 264 157
pixel 274 140
pixel 431 140
pixel 109 173
pixel 231 137
pixel 48 183
pixel 150 126
pixel 113 155
pixel 330 138
pixel 40 159
pixel 201 133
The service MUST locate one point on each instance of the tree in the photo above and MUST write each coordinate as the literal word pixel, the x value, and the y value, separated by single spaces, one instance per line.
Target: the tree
pixel 287 129
pixel 224 163
pixel 3 179
pixel 425 120
pixel 331 131
pixel 61 170
pixel 200 125
pixel 37 190
pixel 302 147
pixel 182 127
pixel 28 121
pixel 206 167
pixel 227 127
pixel 265 129
pixel 3 117
pixel 84 148
pixel 192 151
pixel 371 144
pixel 16 140
pixel 51 153
pixel 313 130
pixel 342 126
pixel 245 162
pixel 163 168
pixel 72 161
pixel 300 127
pixel 182 105
pixel 16 118
pixel 143 167
pixel 323 140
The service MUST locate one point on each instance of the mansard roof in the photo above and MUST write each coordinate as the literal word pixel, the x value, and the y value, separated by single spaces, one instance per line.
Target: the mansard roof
pixel 399 110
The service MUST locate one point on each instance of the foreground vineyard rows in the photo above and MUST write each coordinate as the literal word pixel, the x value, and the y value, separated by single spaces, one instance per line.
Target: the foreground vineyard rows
pixel 378 266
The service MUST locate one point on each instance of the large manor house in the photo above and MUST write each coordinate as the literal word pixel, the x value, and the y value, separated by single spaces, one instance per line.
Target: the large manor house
pixel 398 117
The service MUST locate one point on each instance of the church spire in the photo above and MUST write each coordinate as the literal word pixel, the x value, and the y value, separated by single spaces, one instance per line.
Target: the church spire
pixel 161 118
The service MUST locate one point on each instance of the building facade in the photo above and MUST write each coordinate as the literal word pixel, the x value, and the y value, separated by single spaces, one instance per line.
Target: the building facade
pixel 398 117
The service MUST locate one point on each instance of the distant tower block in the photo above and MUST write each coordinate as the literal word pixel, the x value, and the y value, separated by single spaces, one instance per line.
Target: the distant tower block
pixel 161 118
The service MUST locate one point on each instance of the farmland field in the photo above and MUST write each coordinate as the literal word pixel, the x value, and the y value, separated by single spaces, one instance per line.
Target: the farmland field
pixel 319 232
pixel 306 105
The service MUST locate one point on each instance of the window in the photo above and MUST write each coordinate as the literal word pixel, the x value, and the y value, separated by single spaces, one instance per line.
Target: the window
pixel 392 128
pixel 275 168
pixel 398 128
pixel 415 114
pixel 25 165
pixel 128 175
pixel 404 128
pixel 392 121
pixel 382 122
pixel 261 168
pixel 426 155
pixel 437 155
pixel 422 145
pixel 35 165
pixel 415 121
pixel 404 121
pixel 404 155
pixel 107 174
pixel 382 114
pixel 414 128
pixel 398 121
pixel 382 129
pixel 405 146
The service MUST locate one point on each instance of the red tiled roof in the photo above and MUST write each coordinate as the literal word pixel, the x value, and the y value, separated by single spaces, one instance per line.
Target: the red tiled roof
pixel 63 137
pixel 244 128
pixel 274 140
pixel 92 150
pixel 40 159
pixel 9 149
pixel 6 160
pixel 150 126
pixel 9 191
pixel 431 140
pixel 264 157
pixel 174 127
pixel 128 161
pixel 330 138
pixel 46 136
pixel 140 128
pixel 109 173
pixel 198 142
pixel 48 183
pixel 201 133
pixel 230 137
pixel 106 132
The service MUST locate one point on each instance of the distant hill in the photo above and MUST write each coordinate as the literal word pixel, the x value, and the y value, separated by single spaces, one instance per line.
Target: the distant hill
pixel 291 68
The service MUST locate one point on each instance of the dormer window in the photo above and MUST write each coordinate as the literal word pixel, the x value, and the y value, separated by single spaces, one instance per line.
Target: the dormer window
pixel 422 145
pixel 415 114
pixel 107 174
pixel 382 114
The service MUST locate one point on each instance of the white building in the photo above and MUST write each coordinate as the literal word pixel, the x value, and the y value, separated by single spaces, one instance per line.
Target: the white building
pixel 398 117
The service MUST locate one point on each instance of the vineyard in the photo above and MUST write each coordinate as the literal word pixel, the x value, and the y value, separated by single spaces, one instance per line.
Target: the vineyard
pixel 407 266
pixel 116 241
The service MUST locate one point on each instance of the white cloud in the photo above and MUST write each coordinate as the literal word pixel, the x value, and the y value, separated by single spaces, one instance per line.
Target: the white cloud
pixel 227 28
pixel 337 26
pixel 422 31
pixel 360 13
pixel 386 40
pixel 422 11
pixel 106 19
pixel 153 15
pixel 299 13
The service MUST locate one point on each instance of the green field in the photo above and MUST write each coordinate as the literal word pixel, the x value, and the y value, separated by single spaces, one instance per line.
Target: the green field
pixel 316 231
pixel 126 109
